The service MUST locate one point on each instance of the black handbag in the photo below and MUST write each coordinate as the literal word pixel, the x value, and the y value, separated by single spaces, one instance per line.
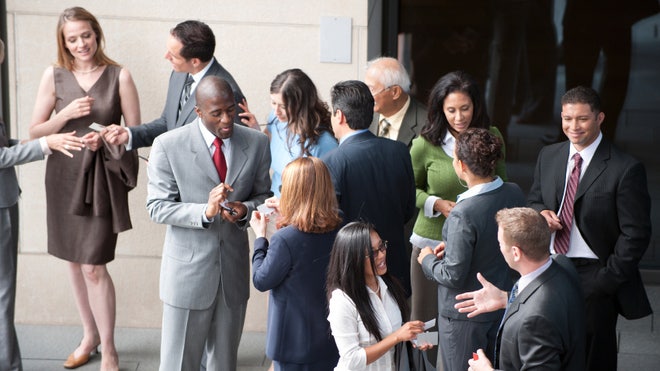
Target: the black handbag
pixel 409 358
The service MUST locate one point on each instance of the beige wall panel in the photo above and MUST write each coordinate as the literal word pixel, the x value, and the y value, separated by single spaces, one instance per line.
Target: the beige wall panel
pixel 256 39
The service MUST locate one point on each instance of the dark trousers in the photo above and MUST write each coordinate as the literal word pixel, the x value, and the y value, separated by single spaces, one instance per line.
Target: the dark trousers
pixel 601 321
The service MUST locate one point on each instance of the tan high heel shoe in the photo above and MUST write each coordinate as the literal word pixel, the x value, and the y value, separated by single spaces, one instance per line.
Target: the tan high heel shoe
pixel 73 362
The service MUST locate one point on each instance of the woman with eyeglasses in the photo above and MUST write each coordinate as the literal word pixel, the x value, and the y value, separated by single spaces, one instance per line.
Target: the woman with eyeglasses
pixel 367 305
pixel 470 246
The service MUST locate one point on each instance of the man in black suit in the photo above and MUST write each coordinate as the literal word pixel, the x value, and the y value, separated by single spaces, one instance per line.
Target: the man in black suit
pixel 397 115
pixel 373 176
pixel 544 320
pixel 190 50
pixel 610 226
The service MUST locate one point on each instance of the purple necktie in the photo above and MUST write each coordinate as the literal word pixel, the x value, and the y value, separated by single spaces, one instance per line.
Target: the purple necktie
pixel 563 236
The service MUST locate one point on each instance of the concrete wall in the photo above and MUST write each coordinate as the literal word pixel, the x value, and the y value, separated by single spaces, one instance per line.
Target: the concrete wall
pixel 256 39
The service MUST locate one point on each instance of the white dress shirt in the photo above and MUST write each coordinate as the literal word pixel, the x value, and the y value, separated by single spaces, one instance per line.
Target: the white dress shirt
pixel 578 247
pixel 352 336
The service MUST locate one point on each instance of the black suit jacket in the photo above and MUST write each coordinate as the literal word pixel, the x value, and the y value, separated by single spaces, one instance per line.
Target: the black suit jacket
pixel 413 121
pixel 544 327
pixel 374 182
pixel 144 135
pixel 612 212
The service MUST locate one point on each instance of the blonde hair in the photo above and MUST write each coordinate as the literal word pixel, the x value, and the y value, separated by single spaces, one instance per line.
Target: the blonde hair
pixel 308 200
pixel 64 57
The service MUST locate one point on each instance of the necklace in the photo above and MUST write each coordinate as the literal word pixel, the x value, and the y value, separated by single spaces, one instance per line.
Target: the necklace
pixel 86 72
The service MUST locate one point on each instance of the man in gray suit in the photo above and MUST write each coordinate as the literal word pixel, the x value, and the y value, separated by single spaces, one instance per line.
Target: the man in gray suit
pixel 204 278
pixel 544 322
pixel 190 50
pixel 12 153
pixel 397 115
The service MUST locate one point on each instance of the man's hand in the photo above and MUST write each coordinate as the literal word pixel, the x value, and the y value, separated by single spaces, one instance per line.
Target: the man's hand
pixel 65 142
pixel 480 364
pixel 553 220
pixel 217 196
pixel 239 211
pixel 487 299
pixel 115 134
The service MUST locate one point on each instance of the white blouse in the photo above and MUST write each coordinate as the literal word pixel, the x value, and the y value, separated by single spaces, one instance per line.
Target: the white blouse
pixel 352 336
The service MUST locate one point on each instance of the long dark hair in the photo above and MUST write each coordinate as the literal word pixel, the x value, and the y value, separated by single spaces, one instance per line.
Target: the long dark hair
pixel 437 125
pixel 346 272
pixel 308 116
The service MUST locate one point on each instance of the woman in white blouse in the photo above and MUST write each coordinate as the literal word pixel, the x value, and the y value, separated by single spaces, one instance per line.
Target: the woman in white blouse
pixel 366 305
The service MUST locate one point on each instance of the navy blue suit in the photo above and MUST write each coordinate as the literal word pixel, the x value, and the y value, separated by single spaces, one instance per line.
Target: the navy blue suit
pixel 374 182
pixel 294 266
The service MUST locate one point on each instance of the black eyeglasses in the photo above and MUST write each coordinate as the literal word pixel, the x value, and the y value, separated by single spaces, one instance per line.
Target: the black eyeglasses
pixel 381 248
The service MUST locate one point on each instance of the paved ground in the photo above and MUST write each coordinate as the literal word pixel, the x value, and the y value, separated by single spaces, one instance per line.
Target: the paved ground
pixel 44 348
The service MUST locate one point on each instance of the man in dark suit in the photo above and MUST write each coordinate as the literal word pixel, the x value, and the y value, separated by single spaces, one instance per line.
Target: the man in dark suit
pixel 544 319
pixel 190 50
pixel 397 115
pixel 373 176
pixel 204 278
pixel 606 229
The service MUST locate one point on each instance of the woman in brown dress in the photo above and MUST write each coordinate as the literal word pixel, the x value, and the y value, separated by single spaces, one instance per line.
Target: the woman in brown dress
pixel 86 196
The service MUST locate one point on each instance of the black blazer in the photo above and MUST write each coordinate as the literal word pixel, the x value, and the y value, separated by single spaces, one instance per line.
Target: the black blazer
pixel 612 211
pixel 545 325
pixel 374 182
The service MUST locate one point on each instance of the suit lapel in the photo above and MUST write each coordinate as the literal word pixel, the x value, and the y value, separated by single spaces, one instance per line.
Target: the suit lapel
pixel 201 152
pixel 559 170
pixel 409 123
pixel 596 167
pixel 238 156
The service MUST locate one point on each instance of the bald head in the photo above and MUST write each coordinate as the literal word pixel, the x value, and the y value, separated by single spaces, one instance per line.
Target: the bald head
pixel 212 86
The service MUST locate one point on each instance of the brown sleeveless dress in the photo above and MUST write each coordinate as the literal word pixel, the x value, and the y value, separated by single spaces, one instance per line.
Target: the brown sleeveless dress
pixel 87 195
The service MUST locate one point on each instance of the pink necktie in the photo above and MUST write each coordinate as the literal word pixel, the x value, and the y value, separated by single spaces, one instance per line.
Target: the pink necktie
pixel 219 159
pixel 563 236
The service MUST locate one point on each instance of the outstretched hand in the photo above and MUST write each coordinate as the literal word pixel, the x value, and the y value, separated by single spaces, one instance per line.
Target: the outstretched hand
pixel 65 142
pixel 487 299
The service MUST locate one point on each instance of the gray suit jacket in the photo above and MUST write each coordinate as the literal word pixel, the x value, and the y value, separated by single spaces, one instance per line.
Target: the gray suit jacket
pixel 144 135
pixel 470 234
pixel 412 123
pixel 544 327
pixel 13 153
pixel 198 256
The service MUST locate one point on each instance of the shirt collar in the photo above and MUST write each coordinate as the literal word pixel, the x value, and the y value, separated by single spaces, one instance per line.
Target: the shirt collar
pixel 449 143
pixel 352 133
pixel 209 137
pixel 199 75
pixel 480 188
pixel 531 276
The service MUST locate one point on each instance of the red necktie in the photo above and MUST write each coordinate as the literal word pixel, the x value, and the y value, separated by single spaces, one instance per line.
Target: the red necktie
pixel 563 236
pixel 219 159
